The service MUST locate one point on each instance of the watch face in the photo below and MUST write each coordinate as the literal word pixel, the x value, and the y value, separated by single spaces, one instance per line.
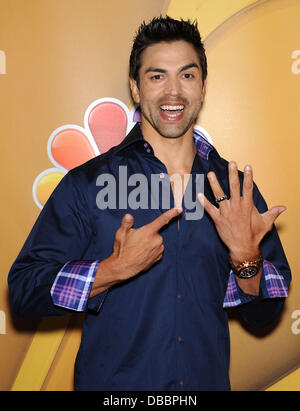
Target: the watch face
pixel 248 272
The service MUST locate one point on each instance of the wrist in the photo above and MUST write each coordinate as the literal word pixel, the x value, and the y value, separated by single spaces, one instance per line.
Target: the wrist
pixel 246 254
pixel 246 267
pixel 106 276
pixel 112 269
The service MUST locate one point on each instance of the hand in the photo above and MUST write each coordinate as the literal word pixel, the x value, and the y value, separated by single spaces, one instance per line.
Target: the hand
pixel 134 250
pixel 238 222
pixel 138 249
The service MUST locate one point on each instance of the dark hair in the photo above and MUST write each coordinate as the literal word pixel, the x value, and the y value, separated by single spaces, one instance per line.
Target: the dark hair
pixel 165 29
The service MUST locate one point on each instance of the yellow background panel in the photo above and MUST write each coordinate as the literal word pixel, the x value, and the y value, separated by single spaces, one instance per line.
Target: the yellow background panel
pixel 289 383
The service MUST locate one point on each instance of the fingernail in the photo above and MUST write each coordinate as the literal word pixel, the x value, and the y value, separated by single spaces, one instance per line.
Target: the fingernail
pixel 248 168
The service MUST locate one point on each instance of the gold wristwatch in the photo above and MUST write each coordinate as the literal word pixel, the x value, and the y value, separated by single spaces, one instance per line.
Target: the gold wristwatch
pixel 248 268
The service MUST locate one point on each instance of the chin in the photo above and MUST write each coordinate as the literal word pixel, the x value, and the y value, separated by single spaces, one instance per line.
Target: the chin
pixel 172 132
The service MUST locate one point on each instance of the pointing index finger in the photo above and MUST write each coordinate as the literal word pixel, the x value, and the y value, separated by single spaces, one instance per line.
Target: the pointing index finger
pixel 164 219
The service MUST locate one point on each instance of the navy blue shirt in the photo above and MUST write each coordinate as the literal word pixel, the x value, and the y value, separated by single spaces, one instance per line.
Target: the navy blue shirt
pixel 166 328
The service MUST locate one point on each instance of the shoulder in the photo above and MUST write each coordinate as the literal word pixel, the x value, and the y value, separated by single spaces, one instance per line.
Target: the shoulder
pixel 106 161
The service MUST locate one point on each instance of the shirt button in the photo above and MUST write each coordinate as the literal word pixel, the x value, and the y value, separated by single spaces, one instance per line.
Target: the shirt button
pixel 162 175
pixel 181 383
pixel 179 296
pixel 179 339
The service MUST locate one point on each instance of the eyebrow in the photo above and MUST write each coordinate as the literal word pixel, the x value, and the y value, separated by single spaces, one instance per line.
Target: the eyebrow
pixel 160 70
pixel 188 66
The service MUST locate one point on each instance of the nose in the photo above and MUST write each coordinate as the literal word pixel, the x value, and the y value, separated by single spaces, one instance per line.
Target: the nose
pixel 173 86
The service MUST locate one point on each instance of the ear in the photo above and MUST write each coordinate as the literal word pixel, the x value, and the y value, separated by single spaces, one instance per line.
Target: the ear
pixel 203 91
pixel 135 92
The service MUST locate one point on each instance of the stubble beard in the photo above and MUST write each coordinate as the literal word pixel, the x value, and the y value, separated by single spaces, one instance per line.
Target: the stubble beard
pixel 171 130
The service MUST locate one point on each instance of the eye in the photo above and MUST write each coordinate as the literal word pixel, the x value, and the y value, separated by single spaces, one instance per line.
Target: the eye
pixel 188 75
pixel 156 77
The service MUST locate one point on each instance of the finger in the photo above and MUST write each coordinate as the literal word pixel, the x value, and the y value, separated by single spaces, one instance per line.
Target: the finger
pixel 234 182
pixel 248 185
pixel 164 219
pixel 127 222
pixel 215 186
pixel 208 206
pixel 271 215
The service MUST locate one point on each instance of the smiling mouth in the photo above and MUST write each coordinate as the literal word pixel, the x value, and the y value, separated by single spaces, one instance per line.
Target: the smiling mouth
pixel 171 112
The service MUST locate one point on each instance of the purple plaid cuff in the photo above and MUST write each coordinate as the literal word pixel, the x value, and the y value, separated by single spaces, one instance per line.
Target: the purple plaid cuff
pixel 232 298
pixel 203 147
pixel 275 287
pixel 275 283
pixel 73 284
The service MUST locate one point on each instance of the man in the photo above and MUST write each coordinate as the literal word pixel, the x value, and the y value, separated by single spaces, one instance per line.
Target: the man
pixel 155 280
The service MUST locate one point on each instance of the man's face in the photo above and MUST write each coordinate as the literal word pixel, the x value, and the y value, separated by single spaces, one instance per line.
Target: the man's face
pixel 171 90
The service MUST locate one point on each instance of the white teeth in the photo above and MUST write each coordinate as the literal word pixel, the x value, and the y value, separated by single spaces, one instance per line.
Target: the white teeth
pixel 172 108
pixel 174 115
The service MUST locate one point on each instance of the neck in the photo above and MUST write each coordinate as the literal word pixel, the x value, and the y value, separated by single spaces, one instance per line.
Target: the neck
pixel 176 153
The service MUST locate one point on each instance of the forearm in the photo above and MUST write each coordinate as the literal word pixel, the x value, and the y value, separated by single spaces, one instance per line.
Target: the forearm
pixel 29 289
pixel 106 276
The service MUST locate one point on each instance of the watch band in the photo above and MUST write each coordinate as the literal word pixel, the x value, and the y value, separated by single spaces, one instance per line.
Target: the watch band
pixel 248 268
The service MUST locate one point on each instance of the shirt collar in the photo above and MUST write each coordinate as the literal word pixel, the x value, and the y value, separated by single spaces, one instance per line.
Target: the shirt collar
pixel 135 135
pixel 202 145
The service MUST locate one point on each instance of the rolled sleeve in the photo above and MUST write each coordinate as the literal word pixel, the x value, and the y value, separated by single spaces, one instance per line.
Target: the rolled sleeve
pixel 272 285
pixel 73 284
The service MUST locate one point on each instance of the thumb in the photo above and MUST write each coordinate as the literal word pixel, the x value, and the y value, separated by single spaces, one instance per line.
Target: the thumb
pixel 277 210
pixel 127 222
pixel 274 212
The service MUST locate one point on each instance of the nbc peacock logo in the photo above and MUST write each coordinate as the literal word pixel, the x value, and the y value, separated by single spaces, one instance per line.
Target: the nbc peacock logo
pixel 106 123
